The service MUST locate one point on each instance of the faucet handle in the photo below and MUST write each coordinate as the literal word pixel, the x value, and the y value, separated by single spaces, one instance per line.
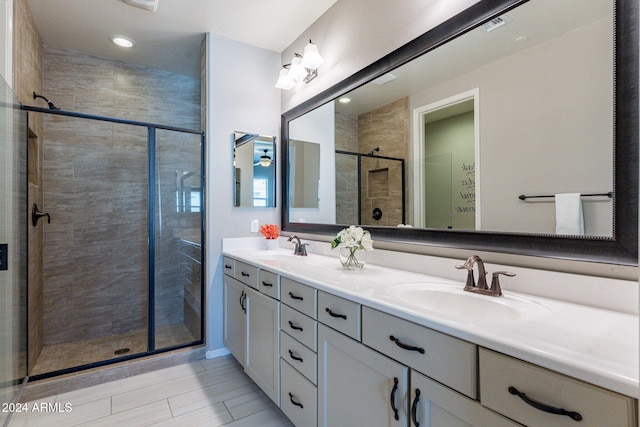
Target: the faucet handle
pixel 495 281
pixel 303 249
pixel 471 281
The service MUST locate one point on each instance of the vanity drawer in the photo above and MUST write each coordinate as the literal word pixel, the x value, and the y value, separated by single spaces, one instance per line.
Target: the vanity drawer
pixel 303 359
pixel 596 406
pixel 229 266
pixel 247 274
pixel 301 327
pixel 340 314
pixel 269 284
pixel 444 358
pixel 299 296
pixel 298 397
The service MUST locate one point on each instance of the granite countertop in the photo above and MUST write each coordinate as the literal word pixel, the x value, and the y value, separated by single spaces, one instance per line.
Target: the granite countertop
pixel 594 345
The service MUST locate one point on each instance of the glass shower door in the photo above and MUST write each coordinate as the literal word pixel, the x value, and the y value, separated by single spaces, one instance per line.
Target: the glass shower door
pixel 13 246
pixel 178 211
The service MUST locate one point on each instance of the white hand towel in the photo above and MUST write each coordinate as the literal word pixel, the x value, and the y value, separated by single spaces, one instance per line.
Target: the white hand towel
pixel 569 218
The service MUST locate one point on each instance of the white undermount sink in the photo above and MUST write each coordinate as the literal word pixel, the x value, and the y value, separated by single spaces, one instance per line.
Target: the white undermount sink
pixel 453 301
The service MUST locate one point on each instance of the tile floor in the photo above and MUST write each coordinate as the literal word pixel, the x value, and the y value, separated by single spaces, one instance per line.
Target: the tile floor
pixel 56 357
pixel 208 392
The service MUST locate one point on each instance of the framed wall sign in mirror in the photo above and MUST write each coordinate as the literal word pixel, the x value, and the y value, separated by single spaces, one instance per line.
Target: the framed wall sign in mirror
pixel 254 166
pixel 484 133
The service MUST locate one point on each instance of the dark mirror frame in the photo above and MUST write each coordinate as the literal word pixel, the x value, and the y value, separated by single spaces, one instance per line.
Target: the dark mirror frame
pixel 620 249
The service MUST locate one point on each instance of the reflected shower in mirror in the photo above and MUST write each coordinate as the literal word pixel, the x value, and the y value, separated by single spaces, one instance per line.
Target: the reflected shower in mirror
pixel 188 191
pixel 537 108
pixel 254 170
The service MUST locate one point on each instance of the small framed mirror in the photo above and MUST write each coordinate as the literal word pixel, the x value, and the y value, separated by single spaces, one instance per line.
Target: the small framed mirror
pixel 254 166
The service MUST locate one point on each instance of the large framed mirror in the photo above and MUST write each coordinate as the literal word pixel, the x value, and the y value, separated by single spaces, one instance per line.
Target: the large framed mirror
pixel 254 170
pixel 486 133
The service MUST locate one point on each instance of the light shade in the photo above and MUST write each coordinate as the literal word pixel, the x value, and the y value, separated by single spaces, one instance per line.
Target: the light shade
pixel 122 41
pixel 284 80
pixel 297 71
pixel 311 57
pixel 265 161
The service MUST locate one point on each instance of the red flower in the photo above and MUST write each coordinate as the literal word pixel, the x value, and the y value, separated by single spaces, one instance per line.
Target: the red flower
pixel 270 231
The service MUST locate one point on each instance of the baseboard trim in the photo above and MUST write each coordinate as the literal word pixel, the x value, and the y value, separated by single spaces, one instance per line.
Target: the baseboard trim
pixel 219 352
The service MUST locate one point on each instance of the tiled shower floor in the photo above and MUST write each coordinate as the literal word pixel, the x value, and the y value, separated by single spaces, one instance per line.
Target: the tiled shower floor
pixel 68 355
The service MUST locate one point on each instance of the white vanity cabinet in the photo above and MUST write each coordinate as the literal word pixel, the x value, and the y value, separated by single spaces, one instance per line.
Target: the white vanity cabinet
pixel 434 405
pixel 234 333
pixel 252 324
pixel 263 343
pixel 358 386
pixel 530 394
pixel 298 345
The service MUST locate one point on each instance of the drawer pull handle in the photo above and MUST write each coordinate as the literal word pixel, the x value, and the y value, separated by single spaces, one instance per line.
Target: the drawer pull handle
pixel 414 408
pixel 543 406
pixel 294 327
pixel 295 296
pixel 294 402
pixel 295 357
pixel 405 346
pixel 228 267
pixel 245 274
pixel 332 314
pixel 392 399
pixel 267 284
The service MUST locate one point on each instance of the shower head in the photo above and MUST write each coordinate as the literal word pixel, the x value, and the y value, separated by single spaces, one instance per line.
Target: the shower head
pixel 52 106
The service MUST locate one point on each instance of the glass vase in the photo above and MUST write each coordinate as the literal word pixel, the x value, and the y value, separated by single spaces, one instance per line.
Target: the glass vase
pixel 353 258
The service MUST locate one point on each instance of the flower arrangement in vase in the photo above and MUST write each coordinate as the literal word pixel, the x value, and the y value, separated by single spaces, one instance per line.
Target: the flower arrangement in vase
pixel 353 243
pixel 271 232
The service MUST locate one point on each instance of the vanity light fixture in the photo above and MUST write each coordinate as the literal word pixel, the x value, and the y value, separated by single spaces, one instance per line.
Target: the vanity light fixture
pixel 265 161
pixel 303 68
pixel 122 41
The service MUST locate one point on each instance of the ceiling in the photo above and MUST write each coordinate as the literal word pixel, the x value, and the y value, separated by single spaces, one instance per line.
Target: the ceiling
pixel 169 39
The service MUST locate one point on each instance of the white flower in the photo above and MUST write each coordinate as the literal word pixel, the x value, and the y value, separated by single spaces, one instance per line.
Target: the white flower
pixel 353 237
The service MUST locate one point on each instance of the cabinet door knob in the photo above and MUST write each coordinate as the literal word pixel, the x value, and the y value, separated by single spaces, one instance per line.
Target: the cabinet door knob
pixel 543 406
pixel 392 399
pixel 414 408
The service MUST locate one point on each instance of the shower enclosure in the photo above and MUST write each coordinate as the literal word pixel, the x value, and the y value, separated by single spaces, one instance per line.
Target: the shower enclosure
pixel 120 228
pixel 13 248
pixel 370 189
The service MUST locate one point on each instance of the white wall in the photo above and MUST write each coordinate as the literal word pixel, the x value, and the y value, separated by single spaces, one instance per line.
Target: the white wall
pixel 6 40
pixel 318 126
pixel 241 97
pixel 354 33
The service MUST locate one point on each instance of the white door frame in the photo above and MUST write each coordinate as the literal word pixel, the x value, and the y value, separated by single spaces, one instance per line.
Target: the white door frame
pixel 419 115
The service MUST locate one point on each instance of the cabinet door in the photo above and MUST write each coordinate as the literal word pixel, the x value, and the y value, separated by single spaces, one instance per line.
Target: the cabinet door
pixel 358 386
pixel 234 318
pixel 434 405
pixel 263 343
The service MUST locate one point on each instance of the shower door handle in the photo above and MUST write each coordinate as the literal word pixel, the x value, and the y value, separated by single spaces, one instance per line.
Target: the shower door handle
pixel 36 215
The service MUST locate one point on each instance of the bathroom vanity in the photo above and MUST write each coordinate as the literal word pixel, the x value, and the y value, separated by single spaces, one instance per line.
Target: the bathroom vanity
pixel 414 349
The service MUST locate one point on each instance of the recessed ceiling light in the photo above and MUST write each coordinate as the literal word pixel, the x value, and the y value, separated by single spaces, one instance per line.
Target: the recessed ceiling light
pixel 122 41
pixel 344 100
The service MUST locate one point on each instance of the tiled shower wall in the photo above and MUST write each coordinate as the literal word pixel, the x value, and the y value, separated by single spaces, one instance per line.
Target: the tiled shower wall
pixel 95 188
pixel 381 185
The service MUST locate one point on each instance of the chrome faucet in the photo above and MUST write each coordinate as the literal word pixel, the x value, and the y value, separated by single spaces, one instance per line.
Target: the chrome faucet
pixel 300 248
pixel 481 286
